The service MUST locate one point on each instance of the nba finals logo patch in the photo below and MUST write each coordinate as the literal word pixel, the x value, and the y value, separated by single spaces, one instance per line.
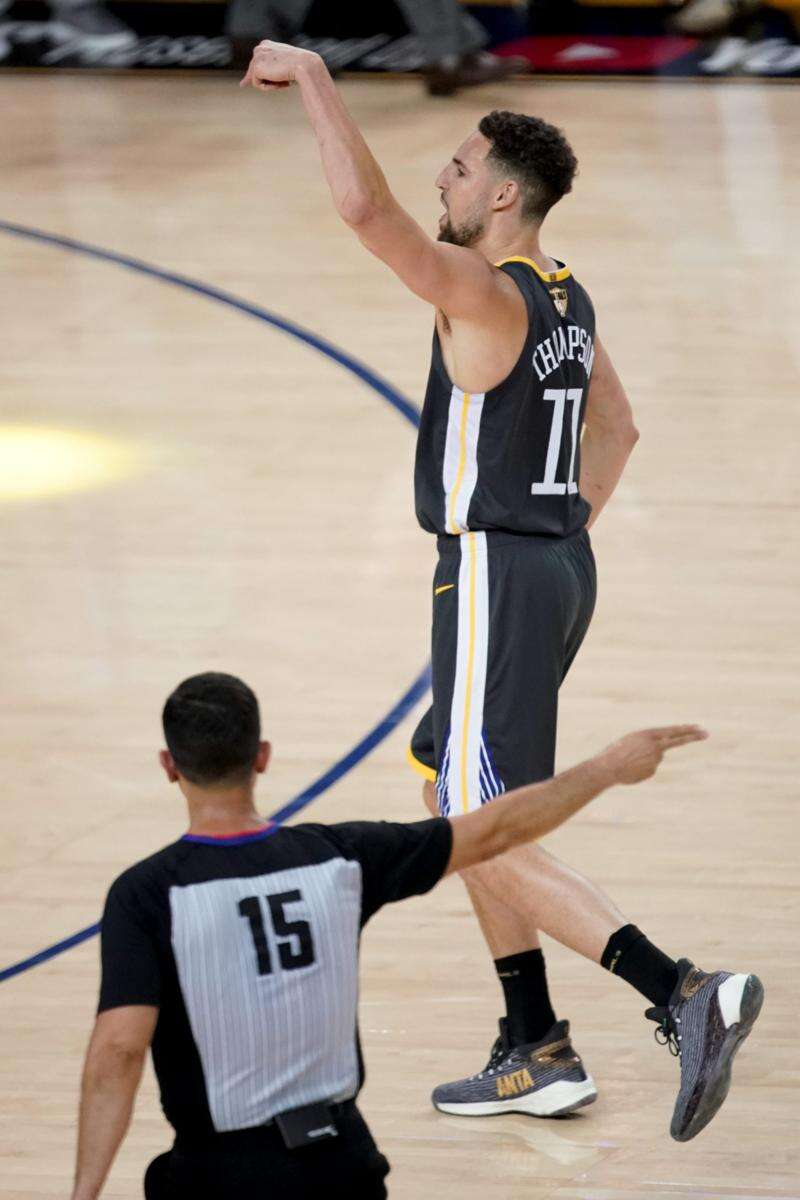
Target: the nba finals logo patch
pixel 560 298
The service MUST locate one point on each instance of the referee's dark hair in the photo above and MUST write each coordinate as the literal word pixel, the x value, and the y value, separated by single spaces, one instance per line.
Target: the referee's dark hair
pixel 534 153
pixel 212 728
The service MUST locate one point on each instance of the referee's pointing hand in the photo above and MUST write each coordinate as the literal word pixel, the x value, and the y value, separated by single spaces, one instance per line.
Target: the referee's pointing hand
pixel 638 755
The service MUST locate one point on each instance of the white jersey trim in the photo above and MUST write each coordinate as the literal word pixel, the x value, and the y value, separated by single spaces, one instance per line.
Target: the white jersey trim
pixel 463 762
pixel 460 467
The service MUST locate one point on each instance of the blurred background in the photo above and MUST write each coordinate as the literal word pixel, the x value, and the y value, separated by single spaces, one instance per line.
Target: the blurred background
pixel 456 44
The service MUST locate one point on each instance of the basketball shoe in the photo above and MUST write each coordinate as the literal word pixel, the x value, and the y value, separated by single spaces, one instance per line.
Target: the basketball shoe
pixel 544 1079
pixel 704 1023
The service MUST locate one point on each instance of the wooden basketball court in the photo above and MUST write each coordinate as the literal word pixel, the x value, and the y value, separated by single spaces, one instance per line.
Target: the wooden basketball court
pixel 185 487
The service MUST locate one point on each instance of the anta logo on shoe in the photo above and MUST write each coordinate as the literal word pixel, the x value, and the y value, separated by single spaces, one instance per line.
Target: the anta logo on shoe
pixel 692 983
pixel 512 1085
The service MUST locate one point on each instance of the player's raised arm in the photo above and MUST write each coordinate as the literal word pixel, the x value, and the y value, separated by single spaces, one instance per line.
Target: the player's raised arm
pixel 458 280
pixel 609 434
pixel 531 812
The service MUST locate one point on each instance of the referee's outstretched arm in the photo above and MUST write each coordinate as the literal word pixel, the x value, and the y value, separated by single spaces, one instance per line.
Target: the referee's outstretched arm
pixel 531 812
pixel 238 900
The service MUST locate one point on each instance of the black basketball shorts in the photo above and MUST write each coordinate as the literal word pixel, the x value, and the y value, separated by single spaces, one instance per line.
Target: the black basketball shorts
pixel 509 614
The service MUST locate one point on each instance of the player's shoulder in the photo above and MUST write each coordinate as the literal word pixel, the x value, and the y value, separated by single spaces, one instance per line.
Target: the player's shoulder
pixel 521 270
pixel 529 277
pixel 580 289
pixel 580 293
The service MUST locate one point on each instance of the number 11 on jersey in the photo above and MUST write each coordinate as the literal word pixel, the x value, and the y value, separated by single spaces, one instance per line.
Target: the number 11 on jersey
pixel 558 398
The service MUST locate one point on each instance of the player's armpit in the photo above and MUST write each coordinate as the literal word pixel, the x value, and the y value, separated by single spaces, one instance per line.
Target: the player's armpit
pixel 455 279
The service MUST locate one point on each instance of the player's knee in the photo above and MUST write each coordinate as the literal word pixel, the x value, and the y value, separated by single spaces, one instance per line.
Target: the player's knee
pixel 429 798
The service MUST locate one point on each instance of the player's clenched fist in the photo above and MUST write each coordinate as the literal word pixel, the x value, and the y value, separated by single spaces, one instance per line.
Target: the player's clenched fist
pixel 275 65
pixel 637 756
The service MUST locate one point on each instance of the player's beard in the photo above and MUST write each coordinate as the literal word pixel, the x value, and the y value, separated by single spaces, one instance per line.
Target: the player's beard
pixel 462 235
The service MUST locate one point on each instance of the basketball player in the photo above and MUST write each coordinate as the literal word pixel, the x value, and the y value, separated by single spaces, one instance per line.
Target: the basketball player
pixel 234 952
pixel 505 481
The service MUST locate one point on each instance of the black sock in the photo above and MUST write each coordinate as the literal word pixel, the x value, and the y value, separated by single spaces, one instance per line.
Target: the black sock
pixel 530 1013
pixel 645 967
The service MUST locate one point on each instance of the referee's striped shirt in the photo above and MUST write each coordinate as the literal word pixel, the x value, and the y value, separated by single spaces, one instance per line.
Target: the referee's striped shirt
pixel 248 946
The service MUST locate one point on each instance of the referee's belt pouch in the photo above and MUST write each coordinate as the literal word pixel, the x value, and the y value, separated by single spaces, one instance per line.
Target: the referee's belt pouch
pixel 305 1126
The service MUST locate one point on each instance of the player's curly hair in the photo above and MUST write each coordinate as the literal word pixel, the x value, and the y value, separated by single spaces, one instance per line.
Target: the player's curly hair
pixel 536 154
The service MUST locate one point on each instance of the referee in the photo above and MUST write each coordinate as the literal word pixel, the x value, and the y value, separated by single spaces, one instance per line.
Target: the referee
pixel 233 953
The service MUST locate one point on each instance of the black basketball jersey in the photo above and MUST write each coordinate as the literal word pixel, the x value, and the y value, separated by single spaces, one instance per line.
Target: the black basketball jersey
pixel 248 946
pixel 510 458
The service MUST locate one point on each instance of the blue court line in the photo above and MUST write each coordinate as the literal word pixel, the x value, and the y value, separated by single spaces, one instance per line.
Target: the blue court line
pixel 367 744
pixel 25 964
pixel 362 372
pixel 420 685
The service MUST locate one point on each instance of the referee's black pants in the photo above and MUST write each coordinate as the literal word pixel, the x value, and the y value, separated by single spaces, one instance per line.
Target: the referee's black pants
pixel 254 1164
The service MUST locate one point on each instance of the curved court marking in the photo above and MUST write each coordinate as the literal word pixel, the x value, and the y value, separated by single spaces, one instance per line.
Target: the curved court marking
pixel 362 372
pixel 422 682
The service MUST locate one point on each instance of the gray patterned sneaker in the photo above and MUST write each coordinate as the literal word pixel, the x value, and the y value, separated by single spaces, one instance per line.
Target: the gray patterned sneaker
pixel 544 1079
pixel 705 1022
